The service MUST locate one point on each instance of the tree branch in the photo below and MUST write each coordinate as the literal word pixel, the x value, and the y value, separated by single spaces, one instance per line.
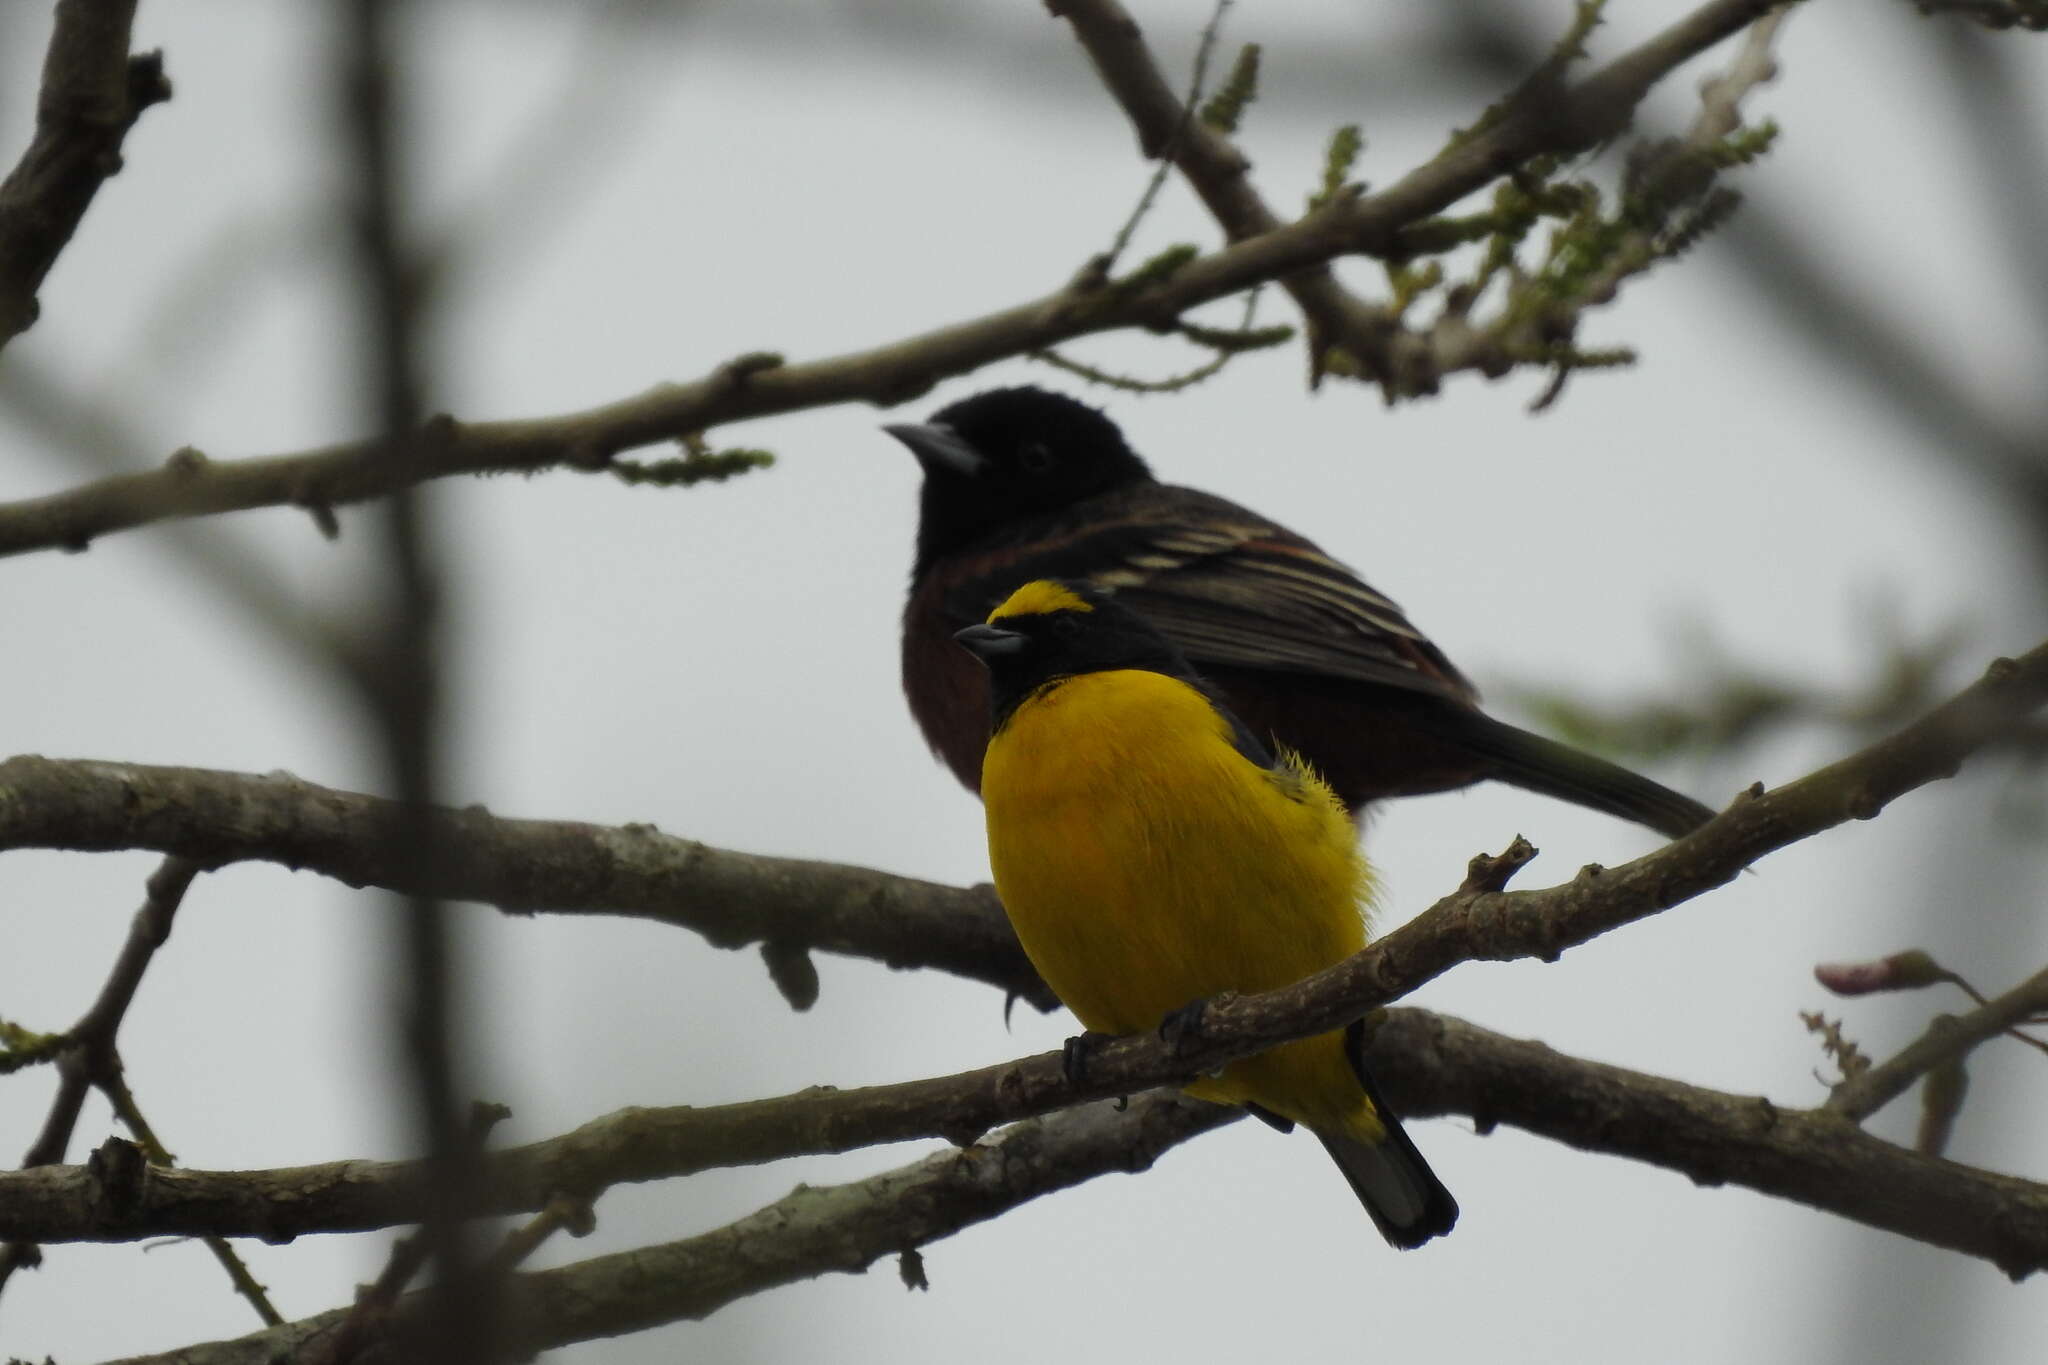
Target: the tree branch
pixel 1948 1038
pixel 92 93
pixel 762 385
pixel 1432 1064
pixel 733 899
pixel 811 1232
pixel 88 1056
pixel 1473 923
pixel 1428 1064
pixel 1218 171
pixel 738 898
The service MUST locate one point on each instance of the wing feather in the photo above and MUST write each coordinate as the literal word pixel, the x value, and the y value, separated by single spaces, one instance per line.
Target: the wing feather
pixel 1227 586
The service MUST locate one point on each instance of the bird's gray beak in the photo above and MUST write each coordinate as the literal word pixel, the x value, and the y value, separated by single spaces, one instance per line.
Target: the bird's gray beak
pixel 938 446
pixel 990 642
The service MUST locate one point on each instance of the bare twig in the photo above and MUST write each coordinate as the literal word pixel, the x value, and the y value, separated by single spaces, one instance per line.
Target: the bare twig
pixel 92 93
pixel 1166 152
pixel 733 899
pixel 89 1057
pixel 1948 1038
pixel 151 1150
pixel 1431 1064
pixel 366 1321
pixel 1428 1064
pixel 563 1213
pixel 222 818
pixel 1471 924
pixel 1371 225
pixel 344 1337
pixel 1217 171
pixel 814 1231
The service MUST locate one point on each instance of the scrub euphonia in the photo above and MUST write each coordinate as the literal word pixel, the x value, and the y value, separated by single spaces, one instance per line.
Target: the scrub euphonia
pixel 1152 853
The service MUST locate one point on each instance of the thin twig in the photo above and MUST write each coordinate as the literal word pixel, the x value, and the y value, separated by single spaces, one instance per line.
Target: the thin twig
pixel 563 1213
pixel 89 1057
pixel 1215 168
pixel 812 1232
pixel 1169 149
pixel 115 1087
pixel 897 372
pixel 1949 1038
pixel 342 1340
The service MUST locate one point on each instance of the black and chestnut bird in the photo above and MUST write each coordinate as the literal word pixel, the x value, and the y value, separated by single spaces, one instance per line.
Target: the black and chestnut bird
pixel 1022 484
pixel 1151 853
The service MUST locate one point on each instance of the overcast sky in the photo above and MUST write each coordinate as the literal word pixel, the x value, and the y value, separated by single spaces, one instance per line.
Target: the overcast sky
pixel 722 661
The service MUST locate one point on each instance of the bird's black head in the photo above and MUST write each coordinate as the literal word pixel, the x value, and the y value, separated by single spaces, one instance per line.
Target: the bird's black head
pixel 1050 629
pixel 1006 456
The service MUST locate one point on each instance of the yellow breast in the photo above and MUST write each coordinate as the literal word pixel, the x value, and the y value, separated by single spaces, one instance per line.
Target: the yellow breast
pixel 1146 863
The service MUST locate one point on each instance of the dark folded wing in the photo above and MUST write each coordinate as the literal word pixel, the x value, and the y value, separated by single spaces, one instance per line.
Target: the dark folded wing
pixel 1227 586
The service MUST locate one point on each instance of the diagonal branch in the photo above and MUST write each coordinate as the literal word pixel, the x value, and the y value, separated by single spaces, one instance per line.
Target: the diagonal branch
pixel 1218 172
pixel 1428 1063
pixel 88 1057
pixel 1434 1064
pixel 811 1232
pixel 762 385
pixel 92 93
pixel 791 904
pixel 1473 923
pixel 1948 1038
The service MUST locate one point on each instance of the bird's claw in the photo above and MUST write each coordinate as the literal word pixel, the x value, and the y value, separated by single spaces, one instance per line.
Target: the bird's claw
pixel 1074 1056
pixel 1183 1026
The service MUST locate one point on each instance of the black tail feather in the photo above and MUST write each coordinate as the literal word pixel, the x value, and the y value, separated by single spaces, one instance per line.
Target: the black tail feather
pixel 1406 1201
pixel 1537 764
pixel 1408 1204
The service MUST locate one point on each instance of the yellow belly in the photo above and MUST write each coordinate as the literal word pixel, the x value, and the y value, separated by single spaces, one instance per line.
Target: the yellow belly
pixel 1146 864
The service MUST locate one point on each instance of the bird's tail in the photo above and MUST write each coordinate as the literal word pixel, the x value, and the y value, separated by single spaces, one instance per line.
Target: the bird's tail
pixel 1407 1202
pixel 1543 765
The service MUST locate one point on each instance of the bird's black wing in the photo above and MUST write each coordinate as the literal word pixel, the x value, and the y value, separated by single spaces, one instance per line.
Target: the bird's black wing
pixel 1227 586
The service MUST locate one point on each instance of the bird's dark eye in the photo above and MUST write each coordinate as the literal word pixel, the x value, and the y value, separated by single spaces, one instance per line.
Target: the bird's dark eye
pixel 1035 458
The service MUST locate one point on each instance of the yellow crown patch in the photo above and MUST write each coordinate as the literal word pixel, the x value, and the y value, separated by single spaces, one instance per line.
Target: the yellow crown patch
pixel 1041 597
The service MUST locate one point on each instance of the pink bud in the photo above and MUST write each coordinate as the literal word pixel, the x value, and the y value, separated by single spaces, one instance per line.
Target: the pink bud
pixel 1900 972
pixel 1854 978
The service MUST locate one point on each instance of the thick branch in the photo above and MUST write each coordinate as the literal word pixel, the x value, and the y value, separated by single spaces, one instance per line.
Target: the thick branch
pixel 740 897
pixel 732 899
pixel 760 386
pixel 1433 1064
pixel 737 898
pixel 814 1231
pixel 92 93
pixel 1428 1063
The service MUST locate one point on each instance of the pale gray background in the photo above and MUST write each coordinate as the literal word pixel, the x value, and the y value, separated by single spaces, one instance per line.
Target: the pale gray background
pixel 819 177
